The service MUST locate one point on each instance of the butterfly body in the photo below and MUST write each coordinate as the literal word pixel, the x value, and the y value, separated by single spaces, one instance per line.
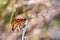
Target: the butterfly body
pixel 17 24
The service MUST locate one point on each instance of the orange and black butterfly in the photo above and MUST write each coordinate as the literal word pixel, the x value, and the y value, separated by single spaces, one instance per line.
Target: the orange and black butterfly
pixel 17 23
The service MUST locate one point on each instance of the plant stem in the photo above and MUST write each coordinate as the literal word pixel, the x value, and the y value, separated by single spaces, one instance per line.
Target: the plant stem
pixel 10 20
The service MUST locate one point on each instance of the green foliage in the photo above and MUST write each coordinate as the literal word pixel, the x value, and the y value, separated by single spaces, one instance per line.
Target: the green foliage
pixel 3 6
pixel 7 18
pixel 0 14
pixel 57 22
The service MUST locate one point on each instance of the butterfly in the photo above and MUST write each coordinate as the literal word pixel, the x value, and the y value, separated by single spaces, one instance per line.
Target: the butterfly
pixel 17 24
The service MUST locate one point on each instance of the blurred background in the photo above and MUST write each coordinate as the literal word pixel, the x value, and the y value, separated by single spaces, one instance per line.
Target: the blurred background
pixel 43 15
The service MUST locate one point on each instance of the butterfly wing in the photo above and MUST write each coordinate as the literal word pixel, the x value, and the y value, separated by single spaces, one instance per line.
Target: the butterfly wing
pixel 17 24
